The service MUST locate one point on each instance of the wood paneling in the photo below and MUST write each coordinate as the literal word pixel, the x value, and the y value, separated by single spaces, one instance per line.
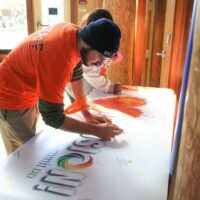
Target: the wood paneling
pixel 159 21
pixel 167 44
pixel 84 9
pixel 149 44
pixel 134 69
pixel 187 178
pixel 124 15
pixel 99 3
pixel 30 16
pixel 183 12
pixel 74 11
pixel 139 59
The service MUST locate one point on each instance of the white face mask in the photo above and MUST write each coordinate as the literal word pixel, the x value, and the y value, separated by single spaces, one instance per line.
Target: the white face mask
pixel 107 62
pixel 99 68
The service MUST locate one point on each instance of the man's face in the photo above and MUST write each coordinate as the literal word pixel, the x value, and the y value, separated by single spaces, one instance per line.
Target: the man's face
pixel 92 57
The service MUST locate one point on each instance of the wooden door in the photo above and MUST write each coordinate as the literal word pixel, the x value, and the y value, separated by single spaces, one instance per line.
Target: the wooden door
pixel 84 7
pixel 159 42
pixel 167 43
pixel 79 8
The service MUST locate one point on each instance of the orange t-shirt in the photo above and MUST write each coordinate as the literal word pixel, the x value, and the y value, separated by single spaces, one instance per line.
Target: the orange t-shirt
pixel 40 67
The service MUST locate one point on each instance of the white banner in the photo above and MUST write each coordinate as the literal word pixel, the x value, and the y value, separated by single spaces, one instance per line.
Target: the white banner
pixel 57 165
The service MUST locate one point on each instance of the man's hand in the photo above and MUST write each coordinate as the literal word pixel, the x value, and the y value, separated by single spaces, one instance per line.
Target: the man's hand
pixel 95 119
pixel 105 129
pixel 106 132
pixel 117 89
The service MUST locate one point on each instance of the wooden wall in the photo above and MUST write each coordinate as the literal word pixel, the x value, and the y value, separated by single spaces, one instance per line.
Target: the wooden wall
pixel 139 57
pixel 124 15
pixel 99 3
pixel 187 179
pixel 183 13
pixel 74 11
pixel 30 16
pixel 83 9
pixel 134 69
pixel 158 36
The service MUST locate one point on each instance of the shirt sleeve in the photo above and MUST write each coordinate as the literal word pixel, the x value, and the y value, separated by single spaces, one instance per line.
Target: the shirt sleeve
pixel 77 73
pixel 52 113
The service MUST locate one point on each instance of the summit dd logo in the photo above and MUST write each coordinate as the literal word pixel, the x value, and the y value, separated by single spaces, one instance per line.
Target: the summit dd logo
pixel 65 179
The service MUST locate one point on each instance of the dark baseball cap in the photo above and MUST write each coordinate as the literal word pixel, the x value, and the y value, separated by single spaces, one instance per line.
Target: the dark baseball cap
pixel 102 35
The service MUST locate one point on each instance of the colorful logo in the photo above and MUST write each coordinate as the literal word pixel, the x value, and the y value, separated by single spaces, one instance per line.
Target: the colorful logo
pixel 75 161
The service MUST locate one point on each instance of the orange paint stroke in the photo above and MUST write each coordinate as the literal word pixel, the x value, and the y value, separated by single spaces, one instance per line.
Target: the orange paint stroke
pixel 124 104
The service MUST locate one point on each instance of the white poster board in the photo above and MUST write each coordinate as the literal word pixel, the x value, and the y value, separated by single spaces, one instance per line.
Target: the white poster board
pixel 57 165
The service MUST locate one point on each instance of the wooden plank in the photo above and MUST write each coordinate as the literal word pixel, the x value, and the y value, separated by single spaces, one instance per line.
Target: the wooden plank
pixel 124 15
pixel 74 11
pixel 146 74
pixel 30 16
pixel 139 59
pixel 167 37
pixel 183 12
pixel 159 21
pixel 83 9
pixel 186 181
pixel 99 3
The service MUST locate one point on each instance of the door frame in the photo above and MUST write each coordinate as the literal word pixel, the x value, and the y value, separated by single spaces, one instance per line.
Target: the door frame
pixel 156 70
pixel 37 14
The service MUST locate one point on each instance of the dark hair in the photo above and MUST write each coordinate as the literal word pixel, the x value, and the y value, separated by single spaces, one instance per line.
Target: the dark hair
pixel 97 14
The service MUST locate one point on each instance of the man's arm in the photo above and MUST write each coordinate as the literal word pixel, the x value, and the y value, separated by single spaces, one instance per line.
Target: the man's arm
pixel 78 93
pixel 53 116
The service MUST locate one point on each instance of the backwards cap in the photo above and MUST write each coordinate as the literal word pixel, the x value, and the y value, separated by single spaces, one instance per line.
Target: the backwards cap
pixel 102 35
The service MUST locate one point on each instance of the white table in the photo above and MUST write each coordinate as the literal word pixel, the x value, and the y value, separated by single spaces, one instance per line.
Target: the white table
pixel 57 165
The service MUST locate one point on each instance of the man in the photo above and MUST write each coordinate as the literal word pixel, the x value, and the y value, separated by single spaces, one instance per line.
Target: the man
pixel 39 68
